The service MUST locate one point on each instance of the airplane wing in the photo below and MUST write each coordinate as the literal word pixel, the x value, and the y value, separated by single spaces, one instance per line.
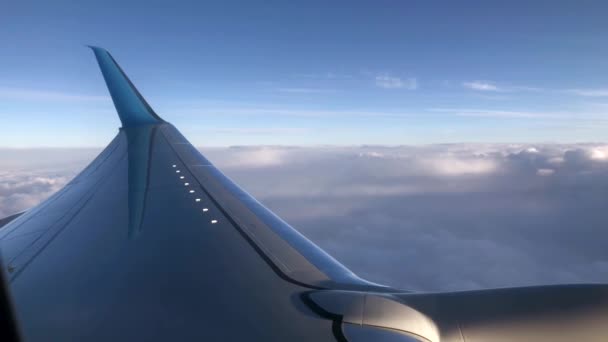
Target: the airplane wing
pixel 152 242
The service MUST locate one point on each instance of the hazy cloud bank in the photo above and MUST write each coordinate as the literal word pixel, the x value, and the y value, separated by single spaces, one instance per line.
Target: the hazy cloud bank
pixel 437 217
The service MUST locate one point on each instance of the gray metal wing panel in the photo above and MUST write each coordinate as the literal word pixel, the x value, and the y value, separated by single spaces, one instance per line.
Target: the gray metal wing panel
pixel 290 252
pixel 25 236
pixel 133 256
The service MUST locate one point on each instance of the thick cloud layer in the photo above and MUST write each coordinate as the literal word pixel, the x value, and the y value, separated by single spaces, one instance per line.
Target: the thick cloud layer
pixel 439 217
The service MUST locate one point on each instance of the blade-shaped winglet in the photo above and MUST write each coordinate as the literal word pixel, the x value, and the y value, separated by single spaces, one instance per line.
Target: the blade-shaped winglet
pixel 132 109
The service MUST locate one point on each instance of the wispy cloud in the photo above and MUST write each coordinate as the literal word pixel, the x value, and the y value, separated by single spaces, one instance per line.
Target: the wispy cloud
pixel 305 90
pixel 489 86
pixel 524 88
pixel 390 82
pixel 600 92
pixel 43 95
pixel 257 130
pixel 497 113
pixel 269 110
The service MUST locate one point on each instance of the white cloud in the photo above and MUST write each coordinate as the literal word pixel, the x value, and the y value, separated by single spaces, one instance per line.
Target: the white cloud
pixel 599 153
pixel 42 95
pixel 555 160
pixel 532 150
pixel 481 86
pixel 453 166
pixel 255 157
pixel 21 190
pixel 545 172
pixel 371 154
pixel 28 176
pixel 390 82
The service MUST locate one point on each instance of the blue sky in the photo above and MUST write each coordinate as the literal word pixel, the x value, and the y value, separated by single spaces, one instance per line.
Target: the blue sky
pixel 310 73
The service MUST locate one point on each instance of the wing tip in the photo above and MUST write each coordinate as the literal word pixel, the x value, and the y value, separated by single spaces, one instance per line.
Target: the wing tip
pixel 96 49
pixel 132 108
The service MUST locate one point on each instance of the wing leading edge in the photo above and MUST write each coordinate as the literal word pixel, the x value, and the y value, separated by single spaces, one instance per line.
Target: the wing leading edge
pixel 151 241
